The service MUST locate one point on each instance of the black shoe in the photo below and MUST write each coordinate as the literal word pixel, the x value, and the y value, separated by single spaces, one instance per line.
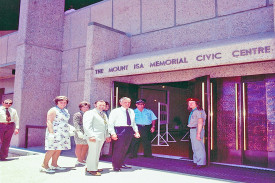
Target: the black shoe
pixel 148 156
pixel 132 157
pixel 117 169
pixel 126 167
pixel 200 166
pixel 104 156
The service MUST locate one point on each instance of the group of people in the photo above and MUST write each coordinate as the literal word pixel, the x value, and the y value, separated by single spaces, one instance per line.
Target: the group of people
pixel 93 128
pixel 124 127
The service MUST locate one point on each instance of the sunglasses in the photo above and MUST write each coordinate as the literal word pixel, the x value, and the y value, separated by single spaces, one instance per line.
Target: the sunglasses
pixel 8 103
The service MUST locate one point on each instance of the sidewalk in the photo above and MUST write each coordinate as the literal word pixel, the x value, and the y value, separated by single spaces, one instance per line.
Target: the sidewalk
pixel 25 169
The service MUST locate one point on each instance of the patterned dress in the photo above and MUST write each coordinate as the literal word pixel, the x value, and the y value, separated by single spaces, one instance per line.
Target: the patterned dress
pixel 78 124
pixel 61 131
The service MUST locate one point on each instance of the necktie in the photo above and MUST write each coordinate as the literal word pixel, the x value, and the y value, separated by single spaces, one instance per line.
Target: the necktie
pixel 102 115
pixel 8 118
pixel 128 118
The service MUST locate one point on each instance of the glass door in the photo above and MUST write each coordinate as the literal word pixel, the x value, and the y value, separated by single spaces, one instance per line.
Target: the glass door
pixel 240 121
pixel 202 88
pixel 254 119
pixel 226 128
pixel 124 90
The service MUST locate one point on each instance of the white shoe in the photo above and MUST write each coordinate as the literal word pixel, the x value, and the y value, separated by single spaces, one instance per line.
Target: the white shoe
pixel 42 169
pixel 57 168
pixel 79 163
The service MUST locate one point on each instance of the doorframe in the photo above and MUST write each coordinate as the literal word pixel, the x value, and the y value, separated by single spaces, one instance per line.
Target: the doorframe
pixel 208 99
pixel 208 119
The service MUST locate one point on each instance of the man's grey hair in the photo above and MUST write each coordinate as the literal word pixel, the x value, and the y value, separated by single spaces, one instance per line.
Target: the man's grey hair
pixel 99 101
pixel 124 98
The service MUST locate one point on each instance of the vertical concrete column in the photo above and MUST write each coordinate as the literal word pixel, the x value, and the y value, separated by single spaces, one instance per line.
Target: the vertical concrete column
pixel 38 64
pixel 103 44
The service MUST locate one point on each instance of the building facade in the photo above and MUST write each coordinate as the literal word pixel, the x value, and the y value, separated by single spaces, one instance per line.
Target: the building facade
pixel 162 50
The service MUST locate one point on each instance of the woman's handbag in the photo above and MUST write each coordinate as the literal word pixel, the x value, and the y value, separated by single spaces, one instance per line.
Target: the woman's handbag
pixel 72 130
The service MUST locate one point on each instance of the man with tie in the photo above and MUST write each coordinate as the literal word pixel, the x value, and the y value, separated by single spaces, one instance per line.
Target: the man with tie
pixel 95 125
pixel 122 128
pixel 9 124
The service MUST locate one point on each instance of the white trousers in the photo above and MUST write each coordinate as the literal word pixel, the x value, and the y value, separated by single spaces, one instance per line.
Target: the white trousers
pixel 199 156
pixel 93 155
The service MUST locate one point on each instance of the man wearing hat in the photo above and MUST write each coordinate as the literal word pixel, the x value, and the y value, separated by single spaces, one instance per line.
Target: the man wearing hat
pixel 145 120
pixel 196 124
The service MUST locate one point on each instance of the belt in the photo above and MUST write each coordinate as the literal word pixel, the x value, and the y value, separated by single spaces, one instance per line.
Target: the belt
pixel 143 125
pixel 6 122
pixel 122 126
pixel 192 127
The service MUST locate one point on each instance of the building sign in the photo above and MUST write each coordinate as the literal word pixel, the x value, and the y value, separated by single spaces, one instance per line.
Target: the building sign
pixel 214 55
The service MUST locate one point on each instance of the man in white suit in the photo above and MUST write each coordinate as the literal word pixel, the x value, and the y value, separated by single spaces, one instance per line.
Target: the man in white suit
pixel 95 124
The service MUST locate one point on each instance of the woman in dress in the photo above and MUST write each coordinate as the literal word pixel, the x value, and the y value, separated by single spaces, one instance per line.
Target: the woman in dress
pixel 57 134
pixel 81 144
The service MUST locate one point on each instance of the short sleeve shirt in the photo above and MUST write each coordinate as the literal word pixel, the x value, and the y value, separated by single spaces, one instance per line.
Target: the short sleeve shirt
pixel 144 117
pixel 196 115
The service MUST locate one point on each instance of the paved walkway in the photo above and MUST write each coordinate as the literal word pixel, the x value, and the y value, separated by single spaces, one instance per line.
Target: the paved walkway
pixel 25 169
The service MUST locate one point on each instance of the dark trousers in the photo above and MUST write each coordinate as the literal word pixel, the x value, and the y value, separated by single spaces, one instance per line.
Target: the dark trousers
pixel 121 145
pixel 145 139
pixel 6 132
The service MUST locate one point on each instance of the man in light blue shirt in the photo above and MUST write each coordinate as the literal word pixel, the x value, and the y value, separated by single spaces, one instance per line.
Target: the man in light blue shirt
pixel 145 120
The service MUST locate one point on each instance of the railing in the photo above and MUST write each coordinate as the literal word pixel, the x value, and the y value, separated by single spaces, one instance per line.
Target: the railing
pixel 27 132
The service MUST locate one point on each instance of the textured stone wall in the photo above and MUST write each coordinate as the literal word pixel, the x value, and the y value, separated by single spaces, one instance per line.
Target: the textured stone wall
pixel 103 43
pixel 38 64
pixel 157 25
pixel 8 47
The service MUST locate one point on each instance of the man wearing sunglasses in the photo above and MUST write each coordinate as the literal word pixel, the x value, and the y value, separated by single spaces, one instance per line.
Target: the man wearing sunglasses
pixel 9 124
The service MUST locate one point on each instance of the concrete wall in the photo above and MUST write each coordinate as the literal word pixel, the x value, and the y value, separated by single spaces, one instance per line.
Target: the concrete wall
pixel 8 84
pixel 38 63
pixel 8 47
pixel 143 16
pixel 224 27
pixel 156 25
pixel 103 44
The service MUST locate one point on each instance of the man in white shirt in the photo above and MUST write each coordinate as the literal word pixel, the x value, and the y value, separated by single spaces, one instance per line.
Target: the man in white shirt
pixel 122 128
pixel 95 125
pixel 9 124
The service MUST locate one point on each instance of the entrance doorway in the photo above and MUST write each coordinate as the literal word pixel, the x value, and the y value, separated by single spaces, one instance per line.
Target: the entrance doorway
pixel 237 124
pixel 175 95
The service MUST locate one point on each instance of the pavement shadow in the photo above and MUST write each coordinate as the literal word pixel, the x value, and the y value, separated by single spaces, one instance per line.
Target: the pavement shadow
pixel 66 170
pixel 9 159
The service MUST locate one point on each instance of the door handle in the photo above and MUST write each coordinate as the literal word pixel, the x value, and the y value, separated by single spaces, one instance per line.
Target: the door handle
pixel 236 116
pixel 244 117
